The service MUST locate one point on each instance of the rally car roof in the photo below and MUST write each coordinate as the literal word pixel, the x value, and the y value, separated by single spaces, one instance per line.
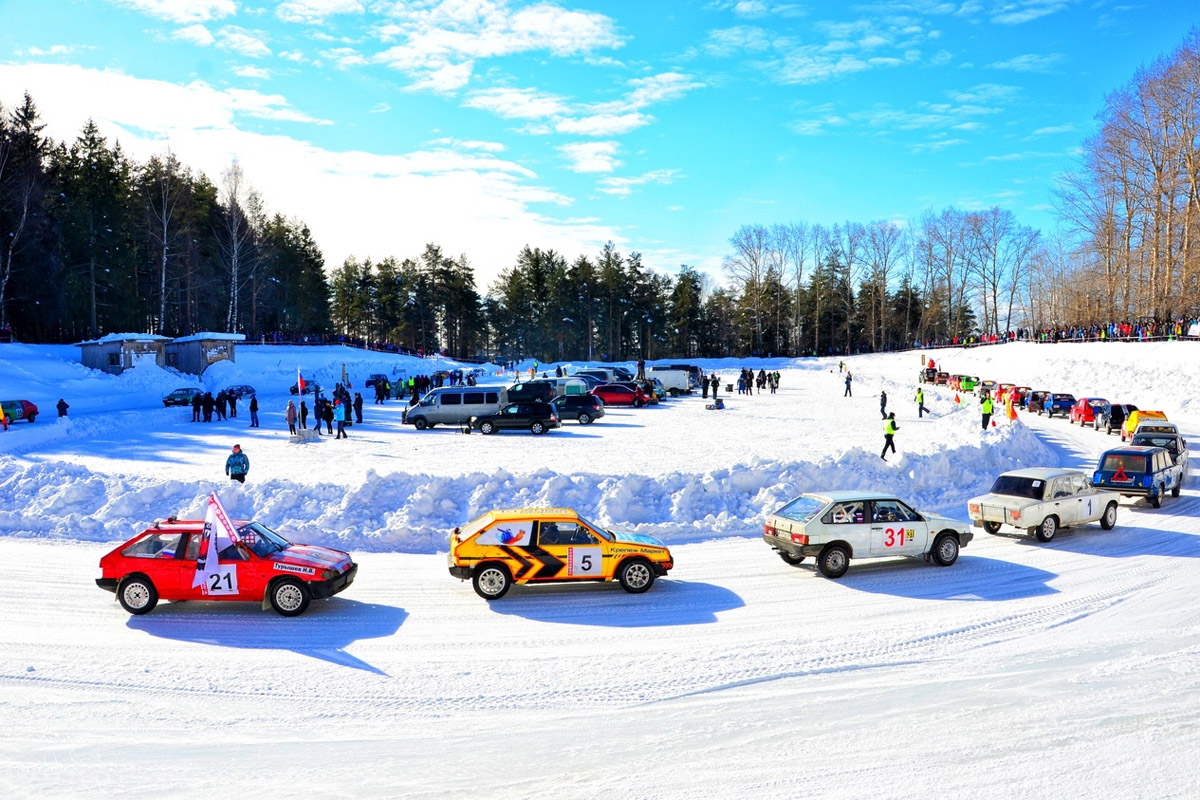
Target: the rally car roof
pixel 1044 473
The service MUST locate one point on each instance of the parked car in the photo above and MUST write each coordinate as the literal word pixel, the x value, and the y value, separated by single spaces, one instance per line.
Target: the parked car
pixel 551 545
pixel 927 376
pixel 1139 472
pixel 1019 395
pixel 1036 401
pixel 181 397
pixel 617 395
pixel 537 390
pixel 452 405
pixel 161 562
pixel 1150 435
pixel 310 387
pixel 1043 501
pixel 240 391
pixel 1084 410
pixel 837 526
pixel 985 386
pixel 1135 418
pixel 374 378
pixel 19 409
pixel 1002 391
pixel 586 408
pixel 942 377
pixel 968 383
pixel 652 397
pixel 674 381
pixel 1058 403
pixel 1111 416
pixel 536 417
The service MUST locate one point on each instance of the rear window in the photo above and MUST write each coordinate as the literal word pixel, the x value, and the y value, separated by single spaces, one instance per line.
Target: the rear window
pixel 493 397
pixel 156 545
pixel 1064 397
pixel 802 509
pixel 1097 403
pixel 1015 486
pixel 1166 442
pixel 1116 462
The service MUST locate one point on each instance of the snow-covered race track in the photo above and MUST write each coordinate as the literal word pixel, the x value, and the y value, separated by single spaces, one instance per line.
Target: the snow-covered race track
pixel 1068 669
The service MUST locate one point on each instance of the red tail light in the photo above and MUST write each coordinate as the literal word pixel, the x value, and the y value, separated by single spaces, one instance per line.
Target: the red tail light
pixel 769 530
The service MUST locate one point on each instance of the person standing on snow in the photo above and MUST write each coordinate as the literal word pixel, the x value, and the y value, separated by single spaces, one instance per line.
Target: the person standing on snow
pixel 232 405
pixel 290 415
pixel 920 402
pixel 883 405
pixel 209 404
pixel 358 403
pixel 716 384
pixel 237 465
pixel 848 393
pixel 327 411
pixel 986 406
pixel 339 414
pixel 196 400
pixel 62 407
pixel 253 411
pixel 303 415
pixel 220 405
pixel 889 430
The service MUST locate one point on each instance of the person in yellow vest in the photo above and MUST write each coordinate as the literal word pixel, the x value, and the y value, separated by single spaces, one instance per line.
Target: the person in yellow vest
pixel 920 402
pixel 889 430
pixel 986 406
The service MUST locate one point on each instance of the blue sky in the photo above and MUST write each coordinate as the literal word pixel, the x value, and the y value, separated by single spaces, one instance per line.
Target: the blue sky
pixel 484 125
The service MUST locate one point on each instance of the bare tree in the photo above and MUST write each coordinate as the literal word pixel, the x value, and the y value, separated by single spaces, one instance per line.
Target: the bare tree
pixel 748 265
pixel 164 187
pixel 237 236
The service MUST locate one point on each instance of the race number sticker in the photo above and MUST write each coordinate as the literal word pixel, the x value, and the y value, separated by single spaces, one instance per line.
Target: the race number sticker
pixel 583 561
pixel 221 581
pixel 897 537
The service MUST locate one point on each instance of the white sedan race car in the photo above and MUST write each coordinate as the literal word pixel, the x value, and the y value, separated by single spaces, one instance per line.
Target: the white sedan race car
pixel 838 526
pixel 1041 501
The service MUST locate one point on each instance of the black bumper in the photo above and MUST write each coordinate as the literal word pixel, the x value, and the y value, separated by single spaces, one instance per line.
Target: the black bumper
pixel 107 584
pixel 462 573
pixel 322 589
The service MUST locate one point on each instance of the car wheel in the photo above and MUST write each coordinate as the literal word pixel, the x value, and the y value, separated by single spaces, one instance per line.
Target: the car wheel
pixel 1156 498
pixel 788 558
pixel 289 597
pixel 537 428
pixel 945 549
pixel 1175 490
pixel 420 424
pixel 991 527
pixel 1109 520
pixel 486 427
pixel 137 595
pixel 32 417
pixel 491 581
pixel 638 403
pixel 1045 532
pixel 585 418
pixel 635 576
pixel 833 561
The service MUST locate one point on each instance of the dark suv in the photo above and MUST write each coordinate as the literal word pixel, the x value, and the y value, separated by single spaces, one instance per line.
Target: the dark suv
pixel 537 418
pixel 536 390
pixel 1111 416
pixel 584 407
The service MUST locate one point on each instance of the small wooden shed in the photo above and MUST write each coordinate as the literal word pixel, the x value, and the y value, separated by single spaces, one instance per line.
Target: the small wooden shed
pixel 116 352
pixel 194 354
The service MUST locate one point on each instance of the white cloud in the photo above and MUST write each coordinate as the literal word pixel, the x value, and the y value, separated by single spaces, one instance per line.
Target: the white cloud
pixel 344 57
pixel 1015 13
pixel 292 55
pixel 250 71
pixel 659 88
pixel 1053 129
pixel 181 11
pixel 1029 62
pixel 466 200
pixel 625 186
pixel 196 34
pixel 248 43
pixel 470 144
pixel 936 146
pixel 603 124
pixel 591 156
pixel 316 11
pixel 517 103
pixel 54 50
pixel 380 108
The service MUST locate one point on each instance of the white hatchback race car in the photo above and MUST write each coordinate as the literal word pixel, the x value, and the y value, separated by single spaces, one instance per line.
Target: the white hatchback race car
pixel 1041 501
pixel 837 526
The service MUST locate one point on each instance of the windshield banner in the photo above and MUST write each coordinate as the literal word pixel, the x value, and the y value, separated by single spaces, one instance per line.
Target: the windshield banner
pixel 215 577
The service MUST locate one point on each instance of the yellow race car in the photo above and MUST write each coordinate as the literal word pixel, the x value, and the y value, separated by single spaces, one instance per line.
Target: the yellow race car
pixel 545 545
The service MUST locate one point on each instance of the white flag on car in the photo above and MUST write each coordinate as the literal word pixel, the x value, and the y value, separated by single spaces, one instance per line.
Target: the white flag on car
pixel 216 578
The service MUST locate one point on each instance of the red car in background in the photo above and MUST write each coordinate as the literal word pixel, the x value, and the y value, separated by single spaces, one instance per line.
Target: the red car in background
pixel 161 563
pixel 615 394
pixel 1084 410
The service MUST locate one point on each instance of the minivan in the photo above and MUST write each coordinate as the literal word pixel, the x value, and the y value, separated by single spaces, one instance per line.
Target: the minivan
pixel 454 406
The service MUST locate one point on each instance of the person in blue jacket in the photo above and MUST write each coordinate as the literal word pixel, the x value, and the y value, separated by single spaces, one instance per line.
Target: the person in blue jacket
pixel 339 414
pixel 237 465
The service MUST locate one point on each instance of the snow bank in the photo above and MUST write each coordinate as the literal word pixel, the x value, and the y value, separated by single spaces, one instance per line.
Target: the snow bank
pixel 413 513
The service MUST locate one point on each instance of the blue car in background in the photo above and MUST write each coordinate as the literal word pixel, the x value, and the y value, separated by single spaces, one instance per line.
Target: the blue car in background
pixel 1059 404
pixel 1139 472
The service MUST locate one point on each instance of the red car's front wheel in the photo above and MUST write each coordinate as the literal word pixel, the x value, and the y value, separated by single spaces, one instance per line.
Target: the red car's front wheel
pixel 137 594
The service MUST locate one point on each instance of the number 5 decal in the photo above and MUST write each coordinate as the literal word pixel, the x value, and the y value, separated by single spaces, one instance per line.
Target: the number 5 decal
pixel 583 561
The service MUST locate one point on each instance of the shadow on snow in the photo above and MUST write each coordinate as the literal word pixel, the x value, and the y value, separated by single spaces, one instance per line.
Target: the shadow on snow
pixel 668 602
pixel 970 578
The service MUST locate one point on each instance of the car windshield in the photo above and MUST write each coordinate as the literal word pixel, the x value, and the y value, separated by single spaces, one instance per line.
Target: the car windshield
pixel 605 532
pixel 262 540
pixel 802 509
pixel 1016 486
pixel 1097 403
pixel 1123 462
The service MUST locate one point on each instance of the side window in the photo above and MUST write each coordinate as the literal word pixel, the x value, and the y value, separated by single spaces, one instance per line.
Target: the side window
pixel 472 398
pixel 1080 484
pixel 891 511
pixel 520 387
pixel 156 545
pixel 193 547
pixel 564 533
pixel 1060 488
pixel 513 409
pixel 845 514
pixel 114 359
pixel 452 399
pixel 493 397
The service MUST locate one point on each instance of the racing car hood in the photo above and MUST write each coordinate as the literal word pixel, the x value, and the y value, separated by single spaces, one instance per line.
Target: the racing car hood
pixel 940 521
pixel 637 538
pixel 311 556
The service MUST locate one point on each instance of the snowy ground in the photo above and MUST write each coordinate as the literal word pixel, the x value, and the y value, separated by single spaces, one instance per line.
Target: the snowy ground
pixel 1026 670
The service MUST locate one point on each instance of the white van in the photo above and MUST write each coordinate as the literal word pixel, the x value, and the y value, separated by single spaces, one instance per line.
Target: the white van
pixel 454 405
pixel 603 373
pixel 674 381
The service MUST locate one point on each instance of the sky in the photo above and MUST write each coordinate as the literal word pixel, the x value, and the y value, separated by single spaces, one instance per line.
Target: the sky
pixel 664 126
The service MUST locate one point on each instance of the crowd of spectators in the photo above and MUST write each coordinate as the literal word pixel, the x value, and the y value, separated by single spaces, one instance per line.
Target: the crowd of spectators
pixel 1146 330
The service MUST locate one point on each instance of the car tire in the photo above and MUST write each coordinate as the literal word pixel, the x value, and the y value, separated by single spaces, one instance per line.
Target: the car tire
pixel 1109 520
pixel 991 527
pixel 1045 532
pixel 420 423
pixel 289 597
pixel 788 558
pixel 639 403
pixel 137 594
pixel 635 575
pixel 584 418
pixel 537 427
pixel 945 549
pixel 32 417
pixel 833 561
pixel 1176 489
pixel 491 581
pixel 487 427
pixel 1156 498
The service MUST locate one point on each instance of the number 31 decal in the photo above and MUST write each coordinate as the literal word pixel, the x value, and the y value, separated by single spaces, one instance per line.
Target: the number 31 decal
pixel 895 537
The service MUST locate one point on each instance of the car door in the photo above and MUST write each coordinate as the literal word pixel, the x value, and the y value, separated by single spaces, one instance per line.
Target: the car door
pixel 1062 502
pixel 849 522
pixel 1087 506
pixel 576 549
pixel 896 529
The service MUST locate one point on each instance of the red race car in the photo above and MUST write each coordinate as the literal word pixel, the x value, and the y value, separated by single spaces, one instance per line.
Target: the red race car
pixel 614 394
pixel 222 560
pixel 1084 410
